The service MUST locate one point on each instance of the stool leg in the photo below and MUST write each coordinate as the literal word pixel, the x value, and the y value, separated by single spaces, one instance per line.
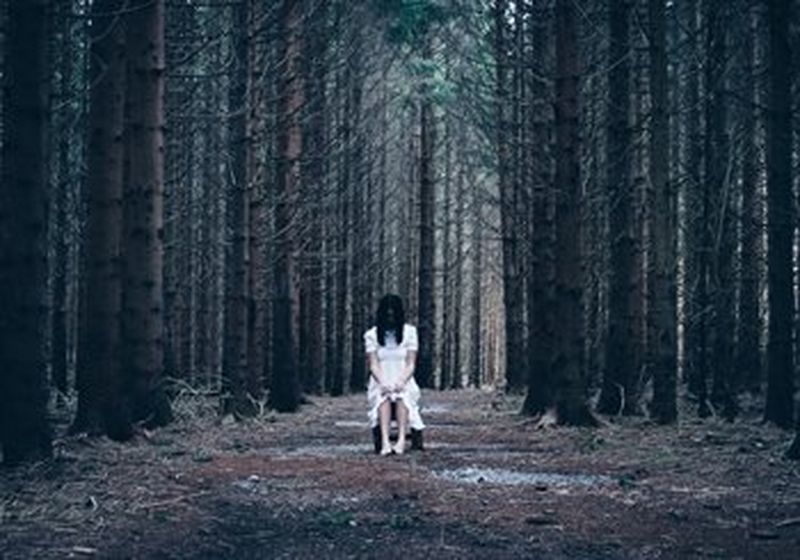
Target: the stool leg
pixel 416 440
pixel 376 438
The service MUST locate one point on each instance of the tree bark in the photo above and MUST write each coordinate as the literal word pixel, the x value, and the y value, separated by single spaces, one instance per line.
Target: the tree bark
pixel 24 430
pixel 750 324
pixel 476 301
pixel 99 376
pixel 780 367
pixel 285 395
pixel 541 272
pixel 719 228
pixel 235 354
pixel 143 254
pixel 570 397
pixel 426 304
pixel 663 238
pixel 622 342
pixel 259 146
pixel 512 280
pixel 311 341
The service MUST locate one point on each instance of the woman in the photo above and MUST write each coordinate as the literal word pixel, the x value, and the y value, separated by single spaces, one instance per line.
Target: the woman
pixel 391 348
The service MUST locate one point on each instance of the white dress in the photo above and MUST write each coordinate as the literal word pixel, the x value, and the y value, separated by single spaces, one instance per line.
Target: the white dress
pixel 392 358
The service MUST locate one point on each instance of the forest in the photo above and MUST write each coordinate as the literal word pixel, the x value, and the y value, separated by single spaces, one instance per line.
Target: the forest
pixel 591 209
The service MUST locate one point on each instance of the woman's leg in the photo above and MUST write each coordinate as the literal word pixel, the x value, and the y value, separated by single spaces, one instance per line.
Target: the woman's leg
pixel 384 417
pixel 402 426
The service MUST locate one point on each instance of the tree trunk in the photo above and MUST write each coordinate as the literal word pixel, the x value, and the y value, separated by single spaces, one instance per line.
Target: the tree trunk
pixel 143 254
pixel 24 431
pixel 570 397
pixel 750 324
pixel 456 381
pixel 426 304
pixel 541 272
pixel 447 329
pixel 695 217
pixel 99 376
pixel 720 246
pixel 59 234
pixel 341 229
pixel 311 342
pixel 512 280
pixel 780 368
pixel 476 317
pixel 257 199
pixel 235 353
pixel 285 395
pixel 622 343
pixel 358 208
pixel 664 346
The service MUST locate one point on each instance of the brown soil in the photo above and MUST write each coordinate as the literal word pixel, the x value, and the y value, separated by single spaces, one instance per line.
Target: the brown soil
pixel 308 486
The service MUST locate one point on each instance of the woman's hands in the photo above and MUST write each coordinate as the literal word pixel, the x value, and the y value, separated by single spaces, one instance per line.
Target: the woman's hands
pixel 388 389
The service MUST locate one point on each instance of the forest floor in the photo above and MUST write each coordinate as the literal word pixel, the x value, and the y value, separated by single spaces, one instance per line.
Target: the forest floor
pixel 489 485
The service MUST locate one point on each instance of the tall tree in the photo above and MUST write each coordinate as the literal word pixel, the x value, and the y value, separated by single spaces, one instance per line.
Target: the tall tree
pixel 476 320
pixel 260 141
pixel 748 349
pixel 285 395
pixel 512 279
pixel 359 205
pixel 62 140
pixel 427 249
pixel 694 312
pixel 24 430
pixel 718 207
pixel 311 298
pixel 780 229
pixel 237 296
pixel 99 375
pixel 663 239
pixel 456 381
pixel 541 272
pixel 621 346
pixel 143 253
pixel 569 382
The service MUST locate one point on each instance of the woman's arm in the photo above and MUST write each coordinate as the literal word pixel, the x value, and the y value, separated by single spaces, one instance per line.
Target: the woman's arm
pixel 375 367
pixel 410 366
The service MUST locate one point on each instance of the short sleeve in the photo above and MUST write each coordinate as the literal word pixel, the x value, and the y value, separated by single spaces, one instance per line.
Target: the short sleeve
pixel 410 338
pixel 371 341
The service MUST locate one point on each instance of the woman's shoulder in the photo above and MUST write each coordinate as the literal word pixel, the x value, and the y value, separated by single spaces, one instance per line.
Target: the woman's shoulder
pixel 409 328
pixel 371 332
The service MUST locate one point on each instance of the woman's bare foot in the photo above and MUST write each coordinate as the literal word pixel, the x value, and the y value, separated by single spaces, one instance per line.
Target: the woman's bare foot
pixel 399 447
pixel 386 449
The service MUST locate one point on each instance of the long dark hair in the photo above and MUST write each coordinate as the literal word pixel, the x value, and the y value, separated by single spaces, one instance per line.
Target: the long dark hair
pixel 390 316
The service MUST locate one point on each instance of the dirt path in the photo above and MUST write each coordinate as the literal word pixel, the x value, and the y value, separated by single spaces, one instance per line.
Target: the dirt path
pixel 489 485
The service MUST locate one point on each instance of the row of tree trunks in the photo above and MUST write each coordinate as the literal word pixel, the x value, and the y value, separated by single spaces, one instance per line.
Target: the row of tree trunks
pixel 121 354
